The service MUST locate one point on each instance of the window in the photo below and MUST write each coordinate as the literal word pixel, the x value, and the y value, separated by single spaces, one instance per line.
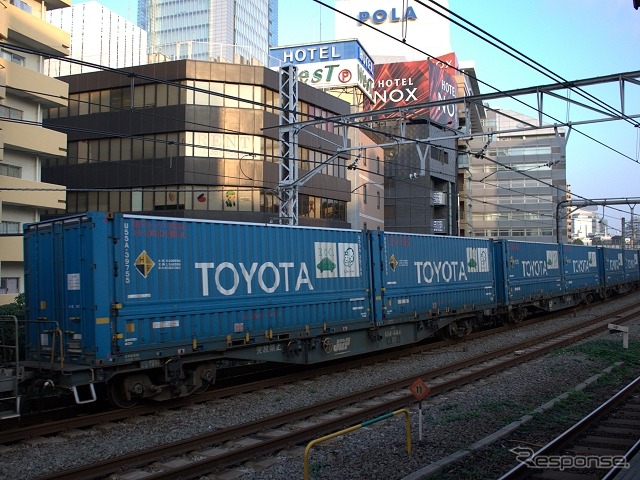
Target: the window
pixel 9 228
pixel 9 285
pixel 173 93
pixel 233 92
pixel 94 102
pixel 12 57
pixel 138 96
pixel 269 203
pixel 115 100
pixel 22 5
pixel 74 106
pixel 105 100
pixel 10 170
pixel 83 103
pixel 200 96
pixel 161 95
pixel 8 112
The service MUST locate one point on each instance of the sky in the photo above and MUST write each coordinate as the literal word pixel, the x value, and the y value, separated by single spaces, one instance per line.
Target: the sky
pixel 576 39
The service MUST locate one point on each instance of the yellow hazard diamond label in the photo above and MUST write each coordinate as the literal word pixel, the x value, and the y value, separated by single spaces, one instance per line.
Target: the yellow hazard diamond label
pixel 393 263
pixel 144 264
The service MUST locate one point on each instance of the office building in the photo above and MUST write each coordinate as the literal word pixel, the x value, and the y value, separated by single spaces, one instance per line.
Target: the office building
pixel 230 31
pixel 518 177
pixel 586 224
pixel 98 36
pixel 470 118
pixel 24 145
pixel 420 194
pixel 193 139
pixel 420 161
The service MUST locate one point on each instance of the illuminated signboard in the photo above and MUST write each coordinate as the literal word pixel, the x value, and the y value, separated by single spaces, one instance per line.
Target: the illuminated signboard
pixel 410 83
pixel 329 64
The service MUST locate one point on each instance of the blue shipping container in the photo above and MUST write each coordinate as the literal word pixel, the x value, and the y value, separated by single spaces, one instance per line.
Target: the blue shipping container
pixel 581 268
pixel 137 287
pixel 613 263
pixel 529 271
pixel 436 274
pixel 631 267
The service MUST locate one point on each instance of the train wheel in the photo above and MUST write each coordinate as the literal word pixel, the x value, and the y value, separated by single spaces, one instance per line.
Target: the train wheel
pixel 458 329
pixel 117 394
pixel 516 316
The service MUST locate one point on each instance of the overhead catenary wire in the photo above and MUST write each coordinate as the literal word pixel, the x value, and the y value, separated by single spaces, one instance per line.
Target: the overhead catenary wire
pixel 180 85
pixel 472 76
pixel 271 106
pixel 525 59
pixel 494 88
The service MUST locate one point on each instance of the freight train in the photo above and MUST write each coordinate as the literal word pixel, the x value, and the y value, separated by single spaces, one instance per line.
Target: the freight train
pixel 151 307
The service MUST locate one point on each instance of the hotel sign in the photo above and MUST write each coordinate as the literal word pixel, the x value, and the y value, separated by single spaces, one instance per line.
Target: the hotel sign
pixel 329 64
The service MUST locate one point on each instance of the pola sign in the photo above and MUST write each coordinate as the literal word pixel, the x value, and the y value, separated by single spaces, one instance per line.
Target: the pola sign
pixel 382 16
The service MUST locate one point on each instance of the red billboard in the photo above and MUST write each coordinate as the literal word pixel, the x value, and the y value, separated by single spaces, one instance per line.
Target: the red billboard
pixel 410 83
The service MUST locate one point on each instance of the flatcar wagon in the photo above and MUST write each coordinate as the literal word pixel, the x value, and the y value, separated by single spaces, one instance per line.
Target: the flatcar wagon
pixel 150 307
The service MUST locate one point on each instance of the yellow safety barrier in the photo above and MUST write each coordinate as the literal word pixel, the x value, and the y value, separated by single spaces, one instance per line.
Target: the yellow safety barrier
pixel 356 427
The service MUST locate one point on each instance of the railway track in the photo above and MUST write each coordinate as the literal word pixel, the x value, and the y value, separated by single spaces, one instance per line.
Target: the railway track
pixel 210 452
pixel 598 447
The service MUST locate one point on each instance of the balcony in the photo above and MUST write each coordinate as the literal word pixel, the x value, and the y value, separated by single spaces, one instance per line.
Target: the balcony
pixel 33 139
pixel 27 83
pixel 30 31
pixel 28 193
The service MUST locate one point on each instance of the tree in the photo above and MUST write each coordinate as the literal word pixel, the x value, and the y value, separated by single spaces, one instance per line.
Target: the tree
pixel 16 308
pixel 7 329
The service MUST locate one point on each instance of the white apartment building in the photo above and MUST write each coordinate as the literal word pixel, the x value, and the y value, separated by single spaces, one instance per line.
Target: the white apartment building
pixel 25 92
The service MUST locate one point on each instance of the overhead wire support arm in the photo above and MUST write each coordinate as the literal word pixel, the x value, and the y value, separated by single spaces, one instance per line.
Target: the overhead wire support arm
pixel 587 202
pixel 289 179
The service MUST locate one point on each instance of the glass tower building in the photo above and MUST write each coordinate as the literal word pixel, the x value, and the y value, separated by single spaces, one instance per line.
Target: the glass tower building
pixel 234 31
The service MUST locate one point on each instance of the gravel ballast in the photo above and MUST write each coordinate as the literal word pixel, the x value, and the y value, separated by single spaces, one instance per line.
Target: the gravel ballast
pixel 451 422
